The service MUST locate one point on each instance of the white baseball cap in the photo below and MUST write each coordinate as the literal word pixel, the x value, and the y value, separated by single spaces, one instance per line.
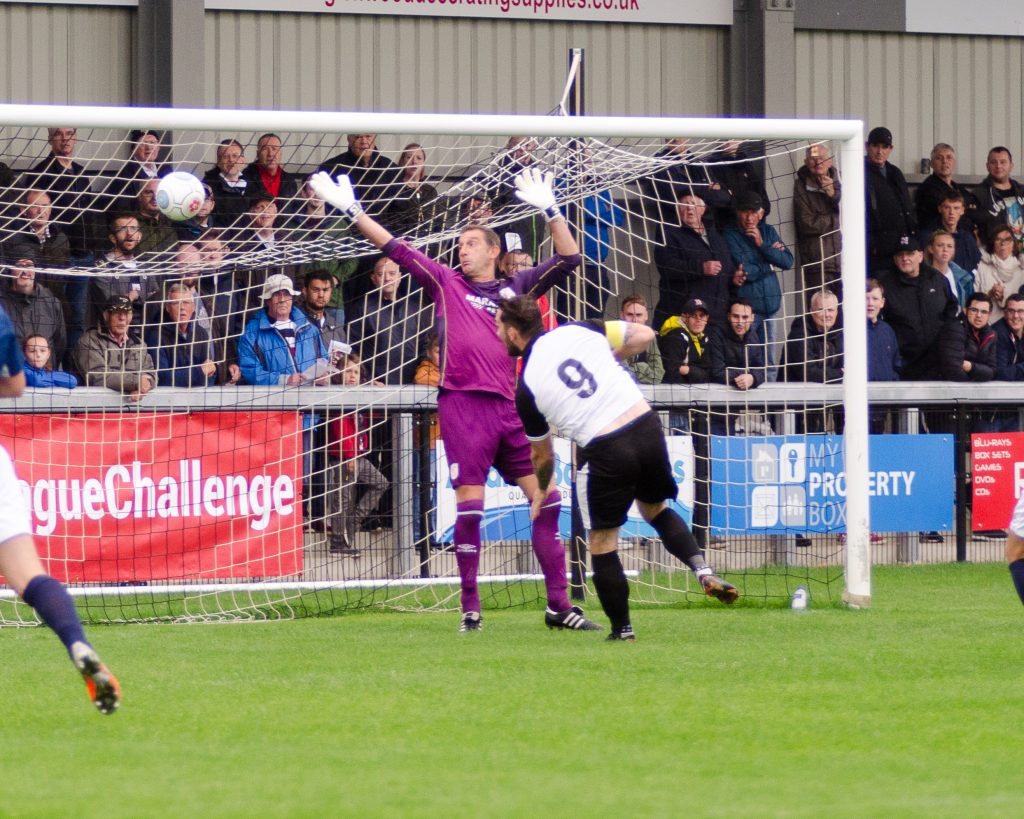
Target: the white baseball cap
pixel 275 284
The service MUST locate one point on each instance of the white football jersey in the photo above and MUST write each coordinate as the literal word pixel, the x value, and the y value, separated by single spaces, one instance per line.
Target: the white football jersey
pixel 572 381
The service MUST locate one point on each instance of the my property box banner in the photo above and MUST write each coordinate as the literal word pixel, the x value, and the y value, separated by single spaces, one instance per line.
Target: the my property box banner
pixel 162 496
pixel 507 512
pixel 780 484
pixel 997 478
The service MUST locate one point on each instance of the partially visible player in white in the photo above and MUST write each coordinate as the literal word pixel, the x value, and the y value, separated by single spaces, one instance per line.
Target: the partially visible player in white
pixel 572 380
pixel 1015 547
pixel 19 562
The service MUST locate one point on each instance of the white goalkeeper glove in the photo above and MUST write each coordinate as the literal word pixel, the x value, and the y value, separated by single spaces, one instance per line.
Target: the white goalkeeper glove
pixel 533 187
pixel 340 193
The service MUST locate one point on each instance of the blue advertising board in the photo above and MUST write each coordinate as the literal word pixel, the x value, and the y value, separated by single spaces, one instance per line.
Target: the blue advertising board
pixel 786 484
pixel 507 512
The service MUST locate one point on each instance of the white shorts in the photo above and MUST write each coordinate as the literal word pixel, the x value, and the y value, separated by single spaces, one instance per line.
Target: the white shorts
pixel 14 513
pixel 1017 521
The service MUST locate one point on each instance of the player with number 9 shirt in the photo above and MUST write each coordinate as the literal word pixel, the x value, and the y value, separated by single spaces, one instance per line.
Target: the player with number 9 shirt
pixel 572 380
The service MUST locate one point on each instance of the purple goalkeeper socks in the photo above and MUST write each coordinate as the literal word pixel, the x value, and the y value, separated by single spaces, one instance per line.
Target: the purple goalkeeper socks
pixel 55 607
pixel 550 552
pixel 469 514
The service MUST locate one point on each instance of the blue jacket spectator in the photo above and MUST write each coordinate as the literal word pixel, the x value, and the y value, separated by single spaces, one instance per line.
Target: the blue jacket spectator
pixel 941 254
pixel 759 259
pixel 279 343
pixel 42 377
pixel 38 363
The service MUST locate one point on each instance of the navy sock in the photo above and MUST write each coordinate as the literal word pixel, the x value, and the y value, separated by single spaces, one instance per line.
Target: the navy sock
pixel 1017 573
pixel 55 607
pixel 612 588
pixel 678 540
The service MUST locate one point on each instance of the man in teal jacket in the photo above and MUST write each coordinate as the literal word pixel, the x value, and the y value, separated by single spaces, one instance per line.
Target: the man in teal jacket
pixel 757 249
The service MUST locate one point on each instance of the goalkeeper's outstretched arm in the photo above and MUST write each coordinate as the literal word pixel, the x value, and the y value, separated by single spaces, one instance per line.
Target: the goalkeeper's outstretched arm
pixel 534 187
pixel 342 196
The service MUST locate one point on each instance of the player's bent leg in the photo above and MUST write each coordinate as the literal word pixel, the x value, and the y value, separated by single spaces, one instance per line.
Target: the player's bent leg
pixel 1015 560
pixel 469 505
pixel 548 547
pixel 610 581
pixel 20 564
pixel 680 543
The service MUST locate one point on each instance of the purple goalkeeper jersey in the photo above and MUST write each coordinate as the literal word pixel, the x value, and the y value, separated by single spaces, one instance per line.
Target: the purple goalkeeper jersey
pixel 471 354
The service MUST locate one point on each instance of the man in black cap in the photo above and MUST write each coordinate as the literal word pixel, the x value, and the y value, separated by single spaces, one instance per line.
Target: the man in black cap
pixel 113 356
pixel 685 347
pixel 686 350
pixel 759 253
pixel 890 214
pixel 922 309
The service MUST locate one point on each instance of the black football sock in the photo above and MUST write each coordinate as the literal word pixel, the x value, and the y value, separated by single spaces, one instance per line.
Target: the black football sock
pixel 679 540
pixel 612 588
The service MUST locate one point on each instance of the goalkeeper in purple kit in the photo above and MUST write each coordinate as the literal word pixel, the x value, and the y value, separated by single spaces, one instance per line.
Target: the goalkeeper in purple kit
pixel 478 419
pixel 19 561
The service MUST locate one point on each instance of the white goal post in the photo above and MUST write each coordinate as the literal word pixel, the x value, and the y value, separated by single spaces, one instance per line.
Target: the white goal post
pixel 846 135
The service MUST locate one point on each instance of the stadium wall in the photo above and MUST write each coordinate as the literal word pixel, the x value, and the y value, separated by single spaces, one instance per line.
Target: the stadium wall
pixel 66 54
pixel 376 63
pixel 925 87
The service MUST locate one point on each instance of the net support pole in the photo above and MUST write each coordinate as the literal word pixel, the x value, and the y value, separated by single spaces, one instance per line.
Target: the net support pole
pixel 578 547
pixel 857 592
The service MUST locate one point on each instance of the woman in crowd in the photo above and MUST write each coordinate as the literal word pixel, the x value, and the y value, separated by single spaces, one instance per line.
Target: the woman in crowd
pixel 1000 272
pixel 414 205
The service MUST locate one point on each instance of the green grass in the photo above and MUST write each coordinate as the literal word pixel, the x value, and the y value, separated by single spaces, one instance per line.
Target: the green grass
pixel 908 709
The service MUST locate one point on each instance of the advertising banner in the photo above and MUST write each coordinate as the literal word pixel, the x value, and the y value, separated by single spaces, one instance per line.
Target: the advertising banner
pixel 688 12
pixel 997 478
pixel 131 498
pixel 507 512
pixel 781 485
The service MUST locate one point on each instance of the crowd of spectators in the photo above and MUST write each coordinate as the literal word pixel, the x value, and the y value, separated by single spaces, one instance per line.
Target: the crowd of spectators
pixel 209 321
pixel 943 265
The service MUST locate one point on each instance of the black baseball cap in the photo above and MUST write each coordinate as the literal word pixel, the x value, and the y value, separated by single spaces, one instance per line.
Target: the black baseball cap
pixel 748 200
pixel 907 244
pixel 693 306
pixel 880 136
pixel 117 304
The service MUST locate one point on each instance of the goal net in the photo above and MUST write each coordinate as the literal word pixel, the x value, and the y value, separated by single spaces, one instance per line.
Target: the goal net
pixel 290 464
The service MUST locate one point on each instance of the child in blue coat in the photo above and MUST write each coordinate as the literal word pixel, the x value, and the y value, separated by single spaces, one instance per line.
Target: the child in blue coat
pixel 38 372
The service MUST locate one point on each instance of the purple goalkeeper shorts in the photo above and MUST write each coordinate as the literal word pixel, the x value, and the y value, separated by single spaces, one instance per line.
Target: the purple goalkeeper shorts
pixel 481 430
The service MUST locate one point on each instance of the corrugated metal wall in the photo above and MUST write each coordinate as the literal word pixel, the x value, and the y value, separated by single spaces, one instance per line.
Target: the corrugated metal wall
pixel 66 54
pixel 966 91
pixel 361 62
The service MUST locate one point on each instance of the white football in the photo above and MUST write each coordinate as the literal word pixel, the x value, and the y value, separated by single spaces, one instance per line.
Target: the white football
pixel 179 196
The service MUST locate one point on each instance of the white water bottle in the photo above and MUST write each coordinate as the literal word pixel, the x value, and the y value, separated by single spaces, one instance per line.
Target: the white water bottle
pixel 801 598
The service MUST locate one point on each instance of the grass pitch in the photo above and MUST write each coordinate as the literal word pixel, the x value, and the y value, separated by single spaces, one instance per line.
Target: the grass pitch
pixel 908 709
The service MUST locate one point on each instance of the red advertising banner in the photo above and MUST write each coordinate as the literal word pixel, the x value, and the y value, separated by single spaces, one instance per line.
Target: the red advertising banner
pixel 163 496
pixel 997 478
